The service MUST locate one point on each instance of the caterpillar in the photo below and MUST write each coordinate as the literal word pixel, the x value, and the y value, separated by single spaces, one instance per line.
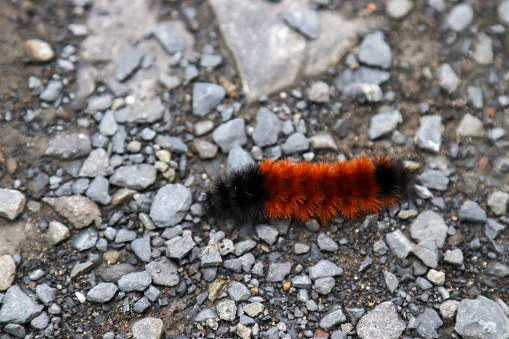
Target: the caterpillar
pixel 301 190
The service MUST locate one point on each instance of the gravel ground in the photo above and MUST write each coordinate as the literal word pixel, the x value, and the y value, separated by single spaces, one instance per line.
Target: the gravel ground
pixel 115 116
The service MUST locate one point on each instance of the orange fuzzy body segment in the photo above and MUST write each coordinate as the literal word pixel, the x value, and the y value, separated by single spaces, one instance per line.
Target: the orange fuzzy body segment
pixel 305 190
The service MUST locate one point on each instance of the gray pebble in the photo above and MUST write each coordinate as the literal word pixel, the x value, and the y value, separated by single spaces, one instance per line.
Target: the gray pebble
pixel 211 60
pixel 278 271
pixel 45 293
pixel 448 78
pixel 136 177
pixel 398 9
pixel 324 285
pixel 172 144
pixel 301 281
pixel 169 38
pixel 247 261
pixel 98 190
pixel 427 251
pixel 434 179
pixel 210 255
pixel 423 283
pixel 99 103
pixel 338 334
pixel 85 239
pixel 244 246
pixel 470 126
pixel 306 22
pixel 496 133
pixel 492 228
pixel 69 146
pixel 191 72
pixel 238 158
pixel 267 233
pixel 40 322
pixel 230 134
pixel 239 292
pixel 114 272
pixel 374 51
pixel 497 269
pixel 108 125
pixel 381 322
pixel 16 330
pixel 124 235
pixel 429 321
pixel 384 123
pixel 332 319
pixel 296 143
pixel 102 292
pixel 470 211
pixel 52 91
pixel 141 247
pixel 326 243
pixel 147 328
pixel 268 127
pixel 429 135
pixel 391 281
pixel 170 205
pixel 81 268
pixel 483 53
pixel 448 309
pixel 226 310
pixel 141 305
pixel 97 163
pixel 503 12
pixel 481 317
pixel 137 281
pixel 460 17
pixel 36 274
pixel 323 269
pixel 163 272
pixel 323 141
pixel 169 81
pixel 429 224
pixel 206 96
pixel 319 92
pixel 17 307
pixel 399 244
pixel 118 143
pixel 234 265
pixel 57 233
pixel 206 149
pixel 342 126
pixel 128 62
pixel 205 314
pixel 179 247
pixel 380 247
pixel 454 257
pixel 253 309
pixel 498 201
pixel 12 203
pixel 148 134
pixel 365 264
pixel 300 248
pixel 145 112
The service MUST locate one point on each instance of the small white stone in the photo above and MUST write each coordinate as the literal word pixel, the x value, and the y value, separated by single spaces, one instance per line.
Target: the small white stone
pixel 38 50
pixel 436 277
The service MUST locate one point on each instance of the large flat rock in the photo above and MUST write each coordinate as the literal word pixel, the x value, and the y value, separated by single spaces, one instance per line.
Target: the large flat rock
pixel 270 55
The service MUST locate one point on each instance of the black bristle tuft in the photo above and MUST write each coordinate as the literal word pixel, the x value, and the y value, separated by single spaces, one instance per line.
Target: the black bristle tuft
pixel 393 178
pixel 239 196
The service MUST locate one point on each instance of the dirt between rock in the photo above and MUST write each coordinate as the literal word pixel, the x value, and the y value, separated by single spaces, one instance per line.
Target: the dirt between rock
pixel 48 20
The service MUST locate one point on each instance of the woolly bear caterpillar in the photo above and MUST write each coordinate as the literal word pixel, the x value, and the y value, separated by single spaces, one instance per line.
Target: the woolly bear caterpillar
pixel 303 190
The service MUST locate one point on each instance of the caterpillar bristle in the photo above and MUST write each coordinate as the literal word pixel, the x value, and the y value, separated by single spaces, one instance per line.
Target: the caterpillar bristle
pixel 302 190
